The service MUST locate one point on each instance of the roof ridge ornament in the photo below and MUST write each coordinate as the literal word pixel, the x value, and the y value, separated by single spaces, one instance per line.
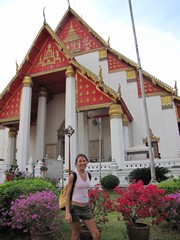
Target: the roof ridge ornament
pixel 44 16
pixel 17 67
pixel 69 4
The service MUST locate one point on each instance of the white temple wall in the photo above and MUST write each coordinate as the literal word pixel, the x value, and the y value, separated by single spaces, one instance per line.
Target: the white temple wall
pixel 55 117
pixel 90 61
pixel 32 147
pixel 3 143
pixel 105 134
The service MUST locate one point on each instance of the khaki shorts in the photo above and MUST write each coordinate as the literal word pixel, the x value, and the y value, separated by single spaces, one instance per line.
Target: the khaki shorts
pixel 81 213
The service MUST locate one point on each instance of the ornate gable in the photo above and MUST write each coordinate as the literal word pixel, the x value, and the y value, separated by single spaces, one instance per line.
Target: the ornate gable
pixel 50 57
pixel 88 95
pixel 11 110
pixel 149 87
pixel 115 64
pixel 77 38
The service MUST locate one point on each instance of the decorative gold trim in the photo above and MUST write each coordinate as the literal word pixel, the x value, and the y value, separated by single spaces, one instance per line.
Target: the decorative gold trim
pixel 153 138
pixel 102 54
pixel 42 92
pixel 166 101
pixel 70 72
pixel 12 132
pixel 27 82
pixel 115 111
pixel 125 120
pixel 5 120
pixel 98 106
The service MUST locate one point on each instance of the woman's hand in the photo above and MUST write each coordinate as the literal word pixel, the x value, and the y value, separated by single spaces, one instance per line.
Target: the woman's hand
pixel 68 217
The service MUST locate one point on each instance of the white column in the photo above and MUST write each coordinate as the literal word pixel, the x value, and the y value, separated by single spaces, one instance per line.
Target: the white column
pixel 117 135
pixel 11 147
pixel 24 126
pixel 41 124
pixel 83 137
pixel 126 131
pixel 70 117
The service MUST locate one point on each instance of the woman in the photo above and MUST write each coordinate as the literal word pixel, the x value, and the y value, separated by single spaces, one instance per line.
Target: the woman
pixel 79 209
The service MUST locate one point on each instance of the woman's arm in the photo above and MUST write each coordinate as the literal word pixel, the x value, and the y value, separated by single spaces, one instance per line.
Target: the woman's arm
pixel 68 194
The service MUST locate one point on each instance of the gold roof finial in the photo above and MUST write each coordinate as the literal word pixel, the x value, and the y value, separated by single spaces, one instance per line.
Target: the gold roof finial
pixel 100 73
pixel 119 90
pixel 44 15
pixel 17 67
pixel 69 4
pixel 108 41
pixel 175 86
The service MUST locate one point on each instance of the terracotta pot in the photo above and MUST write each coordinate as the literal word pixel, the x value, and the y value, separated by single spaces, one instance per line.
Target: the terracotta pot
pixel 85 234
pixel 140 231
pixel 48 235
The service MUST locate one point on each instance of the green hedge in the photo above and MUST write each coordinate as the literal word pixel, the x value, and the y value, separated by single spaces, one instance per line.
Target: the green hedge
pixel 170 186
pixel 110 181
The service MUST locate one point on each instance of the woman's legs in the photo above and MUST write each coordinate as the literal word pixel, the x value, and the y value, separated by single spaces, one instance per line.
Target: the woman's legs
pixel 75 230
pixel 91 225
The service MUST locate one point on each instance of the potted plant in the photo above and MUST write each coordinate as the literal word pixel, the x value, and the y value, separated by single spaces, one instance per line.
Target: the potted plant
pixel 138 202
pixel 37 213
pixel 101 204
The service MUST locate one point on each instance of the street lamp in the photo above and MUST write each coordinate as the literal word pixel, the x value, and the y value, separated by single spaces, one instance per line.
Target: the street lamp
pixel 69 131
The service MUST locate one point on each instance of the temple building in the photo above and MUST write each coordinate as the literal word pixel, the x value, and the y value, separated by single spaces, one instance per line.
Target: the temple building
pixel 73 94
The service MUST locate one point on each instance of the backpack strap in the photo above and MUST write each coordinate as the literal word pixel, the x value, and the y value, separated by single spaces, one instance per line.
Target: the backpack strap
pixel 74 181
pixel 89 174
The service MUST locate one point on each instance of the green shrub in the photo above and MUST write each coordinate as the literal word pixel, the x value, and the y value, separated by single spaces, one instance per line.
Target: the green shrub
pixel 170 185
pixel 9 191
pixel 144 174
pixel 110 182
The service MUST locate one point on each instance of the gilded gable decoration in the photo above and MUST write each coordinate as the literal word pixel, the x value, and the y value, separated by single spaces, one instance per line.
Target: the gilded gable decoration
pixel 49 58
pixel 77 38
pixel 88 95
pixel 12 107
pixel 166 102
pixel 149 88
pixel 131 75
pixel 115 64
pixel 102 54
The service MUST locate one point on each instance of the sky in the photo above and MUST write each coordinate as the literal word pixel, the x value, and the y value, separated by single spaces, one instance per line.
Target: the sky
pixel 156 22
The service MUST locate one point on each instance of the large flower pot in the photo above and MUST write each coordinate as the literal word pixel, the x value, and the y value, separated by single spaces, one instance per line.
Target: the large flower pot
pixel 85 234
pixel 48 235
pixel 138 232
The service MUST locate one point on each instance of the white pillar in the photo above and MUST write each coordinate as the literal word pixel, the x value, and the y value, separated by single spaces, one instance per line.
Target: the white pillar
pixel 41 124
pixel 126 131
pixel 117 135
pixel 83 136
pixel 24 126
pixel 70 117
pixel 11 147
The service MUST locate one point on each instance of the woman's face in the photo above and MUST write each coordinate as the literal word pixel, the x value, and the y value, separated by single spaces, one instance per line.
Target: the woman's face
pixel 81 163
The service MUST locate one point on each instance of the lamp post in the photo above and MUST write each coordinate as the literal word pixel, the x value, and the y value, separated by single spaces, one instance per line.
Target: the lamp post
pixel 69 131
pixel 99 123
pixel 152 166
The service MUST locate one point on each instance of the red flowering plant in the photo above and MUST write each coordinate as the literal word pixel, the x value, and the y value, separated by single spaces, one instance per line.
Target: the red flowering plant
pixel 36 212
pixel 139 201
pixel 101 204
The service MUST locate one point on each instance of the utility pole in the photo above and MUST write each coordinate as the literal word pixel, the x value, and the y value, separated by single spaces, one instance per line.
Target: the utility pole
pixel 151 158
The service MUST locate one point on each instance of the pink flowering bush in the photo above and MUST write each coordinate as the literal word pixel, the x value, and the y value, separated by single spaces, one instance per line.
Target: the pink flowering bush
pixel 139 201
pixel 36 212
pixel 173 210
pixel 101 204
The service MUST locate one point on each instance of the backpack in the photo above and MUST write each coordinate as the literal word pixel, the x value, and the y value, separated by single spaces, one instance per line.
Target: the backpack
pixel 62 197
